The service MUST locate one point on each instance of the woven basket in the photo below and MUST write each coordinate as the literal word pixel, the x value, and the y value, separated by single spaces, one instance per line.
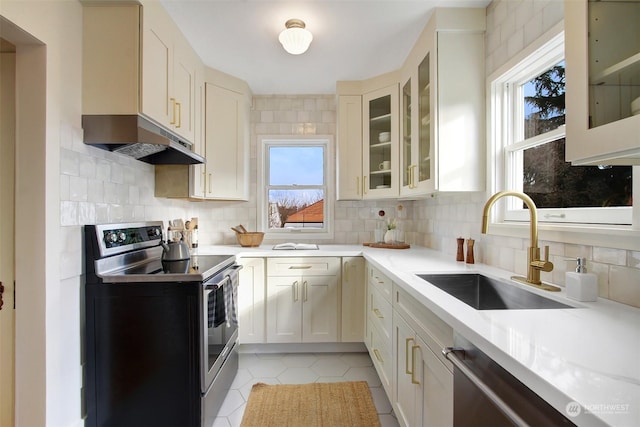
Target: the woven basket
pixel 249 240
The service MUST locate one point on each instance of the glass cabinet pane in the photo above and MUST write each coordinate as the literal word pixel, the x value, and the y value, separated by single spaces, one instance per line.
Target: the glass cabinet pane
pixel 424 144
pixel 380 142
pixel 407 161
pixel 614 60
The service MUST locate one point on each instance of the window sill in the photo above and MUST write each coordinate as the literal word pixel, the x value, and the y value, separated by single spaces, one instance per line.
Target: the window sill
pixel 619 237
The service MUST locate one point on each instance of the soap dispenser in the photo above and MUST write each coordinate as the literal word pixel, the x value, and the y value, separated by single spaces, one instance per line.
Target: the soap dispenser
pixel 581 286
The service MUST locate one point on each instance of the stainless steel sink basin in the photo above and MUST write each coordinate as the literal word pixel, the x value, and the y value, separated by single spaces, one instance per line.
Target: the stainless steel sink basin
pixel 484 293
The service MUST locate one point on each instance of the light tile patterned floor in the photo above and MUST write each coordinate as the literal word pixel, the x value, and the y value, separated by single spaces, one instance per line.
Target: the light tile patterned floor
pixel 301 368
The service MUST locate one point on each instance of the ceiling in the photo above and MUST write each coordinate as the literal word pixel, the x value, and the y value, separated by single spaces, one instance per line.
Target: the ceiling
pixel 352 40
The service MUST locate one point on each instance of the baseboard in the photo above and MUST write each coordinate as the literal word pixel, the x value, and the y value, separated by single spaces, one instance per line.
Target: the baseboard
pixel 338 347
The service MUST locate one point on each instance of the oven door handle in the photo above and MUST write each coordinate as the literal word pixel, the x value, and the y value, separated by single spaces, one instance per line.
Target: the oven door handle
pixel 227 277
pixel 451 354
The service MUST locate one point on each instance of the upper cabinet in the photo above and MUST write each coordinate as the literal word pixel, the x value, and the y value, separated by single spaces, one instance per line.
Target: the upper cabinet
pixel 443 106
pixel 222 135
pixel 368 131
pixel 422 126
pixel 169 67
pixel 602 82
pixel 135 60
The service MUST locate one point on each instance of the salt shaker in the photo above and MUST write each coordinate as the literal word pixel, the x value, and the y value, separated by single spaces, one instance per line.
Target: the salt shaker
pixel 460 253
pixel 470 258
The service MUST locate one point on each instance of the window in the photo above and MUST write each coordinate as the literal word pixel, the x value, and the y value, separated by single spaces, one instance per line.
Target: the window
pixel 294 199
pixel 528 133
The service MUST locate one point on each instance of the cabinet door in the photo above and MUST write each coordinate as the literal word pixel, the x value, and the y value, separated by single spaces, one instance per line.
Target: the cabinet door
pixel 435 407
pixel 251 301
pixel 407 386
pixel 284 309
pixel 185 64
pixel 319 308
pixel 602 75
pixel 349 152
pixel 353 299
pixel 227 144
pixel 157 66
pixel 380 142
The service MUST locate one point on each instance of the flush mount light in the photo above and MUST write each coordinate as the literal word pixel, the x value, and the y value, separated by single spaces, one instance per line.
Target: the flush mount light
pixel 295 39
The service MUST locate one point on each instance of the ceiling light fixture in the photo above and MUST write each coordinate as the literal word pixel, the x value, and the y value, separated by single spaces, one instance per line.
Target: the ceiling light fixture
pixel 295 39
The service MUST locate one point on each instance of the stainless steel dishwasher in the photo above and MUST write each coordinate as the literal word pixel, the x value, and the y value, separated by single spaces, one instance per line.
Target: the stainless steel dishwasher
pixel 485 394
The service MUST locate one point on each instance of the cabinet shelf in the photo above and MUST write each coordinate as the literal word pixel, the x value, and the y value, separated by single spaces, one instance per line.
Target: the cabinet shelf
pixel 611 75
pixel 381 144
pixel 381 172
pixel 383 118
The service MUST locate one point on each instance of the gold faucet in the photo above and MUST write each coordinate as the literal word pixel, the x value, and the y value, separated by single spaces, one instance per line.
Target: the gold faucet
pixel 534 263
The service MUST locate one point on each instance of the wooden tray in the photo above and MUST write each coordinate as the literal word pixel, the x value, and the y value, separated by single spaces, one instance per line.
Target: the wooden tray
pixel 388 245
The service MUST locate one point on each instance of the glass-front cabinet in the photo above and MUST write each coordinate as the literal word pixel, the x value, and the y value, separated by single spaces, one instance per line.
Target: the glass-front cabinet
pixel 603 81
pixel 416 153
pixel 380 136
pixel 442 112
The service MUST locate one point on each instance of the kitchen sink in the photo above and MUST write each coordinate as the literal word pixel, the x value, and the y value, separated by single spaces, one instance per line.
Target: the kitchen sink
pixel 484 293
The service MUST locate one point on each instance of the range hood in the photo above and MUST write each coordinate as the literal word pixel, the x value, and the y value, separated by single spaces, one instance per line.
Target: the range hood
pixel 138 137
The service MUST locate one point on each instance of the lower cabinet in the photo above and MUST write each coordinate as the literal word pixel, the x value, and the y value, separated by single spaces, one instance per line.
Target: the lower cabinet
pixel 423 388
pixel 303 299
pixel 405 340
pixel 251 301
pixel 353 299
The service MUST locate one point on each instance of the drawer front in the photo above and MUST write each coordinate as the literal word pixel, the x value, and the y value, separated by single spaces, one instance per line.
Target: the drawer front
pixel 307 266
pixel 380 312
pixel 380 352
pixel 380 282
pixel 435 332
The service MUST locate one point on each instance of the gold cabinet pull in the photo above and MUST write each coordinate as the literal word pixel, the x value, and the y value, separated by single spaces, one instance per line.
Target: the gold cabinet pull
pixel 406 358
pixel 377 353
pixel 364 185
pixel 299 267
pixel 210 186
pixel 173 111
pixel 378 314
pixel 413 364
pixel 305 288
pixel 295 291
pixel 179 114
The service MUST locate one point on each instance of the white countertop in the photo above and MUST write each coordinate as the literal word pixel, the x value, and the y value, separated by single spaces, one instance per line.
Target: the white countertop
pixel 589 355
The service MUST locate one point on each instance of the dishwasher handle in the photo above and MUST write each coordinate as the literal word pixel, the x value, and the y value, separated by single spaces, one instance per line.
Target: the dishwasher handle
pixel 452 354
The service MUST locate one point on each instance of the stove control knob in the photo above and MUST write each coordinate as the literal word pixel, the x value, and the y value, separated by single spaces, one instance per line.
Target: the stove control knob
pixel 122 236
pixel 111 237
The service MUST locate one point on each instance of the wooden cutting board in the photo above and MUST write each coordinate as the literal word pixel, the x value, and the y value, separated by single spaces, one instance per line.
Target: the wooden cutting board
pixel 388 245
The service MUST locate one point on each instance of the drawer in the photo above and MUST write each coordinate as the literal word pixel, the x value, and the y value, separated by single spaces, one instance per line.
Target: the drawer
pixel 303 266
pixel 380 282
pixel 434 331
pixel 380 312
pixel 380 352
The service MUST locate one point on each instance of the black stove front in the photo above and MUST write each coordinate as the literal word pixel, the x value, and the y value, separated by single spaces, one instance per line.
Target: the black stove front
pixel 153 355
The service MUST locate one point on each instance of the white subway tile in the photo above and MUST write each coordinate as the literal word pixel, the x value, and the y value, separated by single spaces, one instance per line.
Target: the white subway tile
pixel 610 256
pixel 624 285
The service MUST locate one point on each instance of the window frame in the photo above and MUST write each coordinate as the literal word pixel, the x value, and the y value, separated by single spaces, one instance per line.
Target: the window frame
pixel 507 217
pixel 294 234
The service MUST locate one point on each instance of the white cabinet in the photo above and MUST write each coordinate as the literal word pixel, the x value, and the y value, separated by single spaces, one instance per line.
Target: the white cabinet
pixel 303 299
pixel 380 142
pixel 353 299
pixel 226 144
pixel 423 387
pixel 367 133
pixel 379 325
pixel 443 106
pixel 251 301
pixel 349 148
pixel 602 81
pixel 222 132
pixel 169 66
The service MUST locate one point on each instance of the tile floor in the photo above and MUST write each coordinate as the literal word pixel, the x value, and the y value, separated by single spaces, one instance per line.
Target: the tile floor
pixel 301 368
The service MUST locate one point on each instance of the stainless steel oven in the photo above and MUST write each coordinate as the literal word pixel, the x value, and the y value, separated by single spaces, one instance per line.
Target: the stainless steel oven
pixel 161 336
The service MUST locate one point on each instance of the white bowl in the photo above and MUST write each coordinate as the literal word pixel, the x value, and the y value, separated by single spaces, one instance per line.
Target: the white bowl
pixel 635 106
pixel 384 136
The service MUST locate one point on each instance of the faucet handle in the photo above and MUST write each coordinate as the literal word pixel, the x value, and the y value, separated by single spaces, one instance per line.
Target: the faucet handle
pixel 544 265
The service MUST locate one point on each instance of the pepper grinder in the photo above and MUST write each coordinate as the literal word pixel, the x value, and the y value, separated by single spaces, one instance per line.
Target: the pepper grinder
pixel 470 258
pixel 460 253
